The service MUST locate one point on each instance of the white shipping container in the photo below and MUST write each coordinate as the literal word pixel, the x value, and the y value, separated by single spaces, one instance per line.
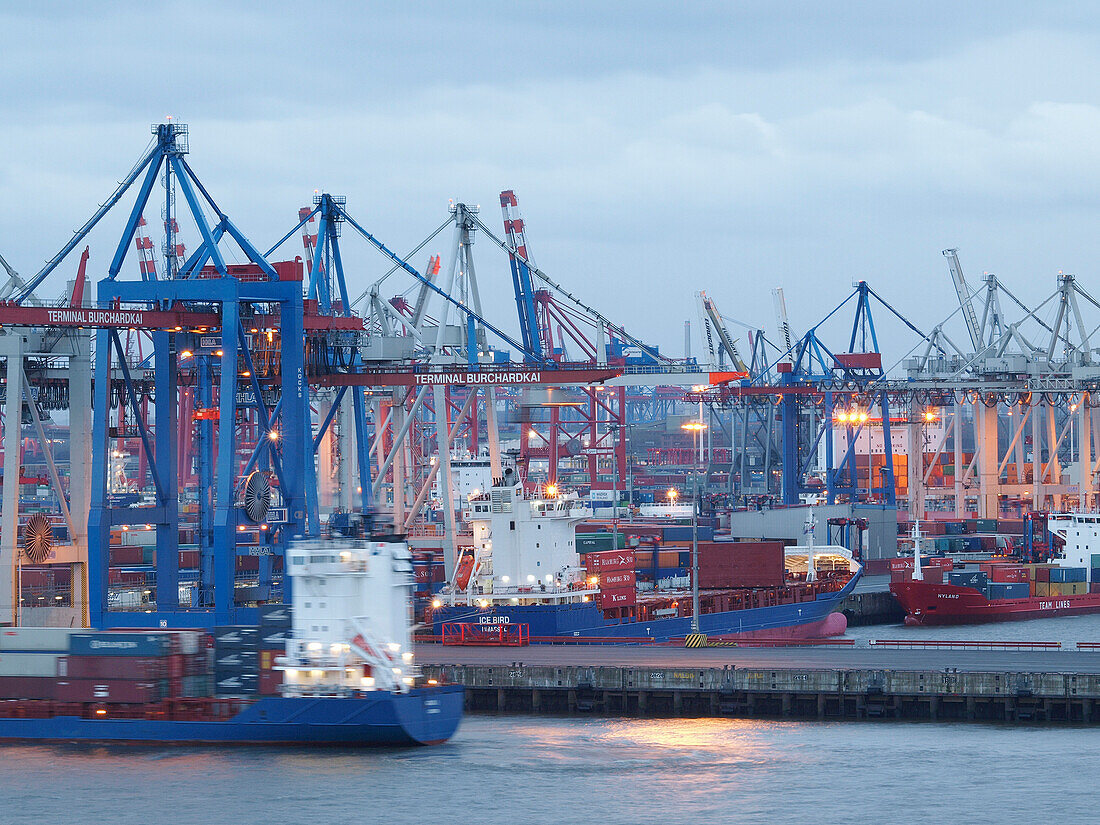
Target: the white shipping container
pixel 28 664
pixel 36 638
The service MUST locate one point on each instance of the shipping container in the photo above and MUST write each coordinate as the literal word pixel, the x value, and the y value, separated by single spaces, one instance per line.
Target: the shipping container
pixel 40 663
pixel 36 638
pixel 1069 588
pixel 145 668
pixel 596 542
pixel 725 564
pixel 27 687
pixel 237 636
pixel 1008 573
pixel 617 579
pixel 236 659
pixel 611 560
pixel 1008 590
pixel 976 579
pixel 1068 574
pixel 119 644
pixel 237 684
pixel 273 637
pixel 269 682
pixel 624 597
pixel 985 525
pixel 123 691
pixel 682 532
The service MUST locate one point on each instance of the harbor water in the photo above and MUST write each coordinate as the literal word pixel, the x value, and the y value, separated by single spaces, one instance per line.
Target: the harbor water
pixel 504 769
pixel 545 770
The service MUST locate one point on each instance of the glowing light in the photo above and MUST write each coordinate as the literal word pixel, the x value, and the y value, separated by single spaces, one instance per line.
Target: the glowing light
pixel 185 354
pixel 530 579
pixel 505 579
pixel 433 682
pixel 551 490
pixel 531 433
pixel 273 435
pixel 672 494
pixel 407 657
pixel 100 712
pixel 394 647
pixel 219 353
pixel 436 604
pixel 593 580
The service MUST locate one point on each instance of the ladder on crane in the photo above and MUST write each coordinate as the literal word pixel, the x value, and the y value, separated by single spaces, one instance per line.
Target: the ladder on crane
pixel 965 303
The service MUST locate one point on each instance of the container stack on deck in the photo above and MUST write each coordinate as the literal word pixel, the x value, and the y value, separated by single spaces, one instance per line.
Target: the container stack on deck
pixel 113 667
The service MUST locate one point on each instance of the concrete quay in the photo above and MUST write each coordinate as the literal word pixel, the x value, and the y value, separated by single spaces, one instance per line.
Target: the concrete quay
pixel 814 684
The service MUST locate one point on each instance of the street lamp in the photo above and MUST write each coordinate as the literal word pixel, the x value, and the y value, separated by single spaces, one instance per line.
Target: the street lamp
pixel 696 427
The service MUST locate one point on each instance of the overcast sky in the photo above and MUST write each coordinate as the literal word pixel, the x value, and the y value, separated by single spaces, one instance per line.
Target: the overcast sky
pixel 655 150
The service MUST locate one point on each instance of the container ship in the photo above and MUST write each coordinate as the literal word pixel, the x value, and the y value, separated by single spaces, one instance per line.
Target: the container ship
pixel 525 575
pixel 347 673
pixel 932 592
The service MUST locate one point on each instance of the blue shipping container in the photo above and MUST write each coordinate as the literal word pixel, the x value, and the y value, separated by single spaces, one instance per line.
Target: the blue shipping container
pixel 1008 590
pixel 275 615
pixel 119 644
pixel 972 543
pixel 968 578
pixel 236 636
pixel 1067 574
pixel 682 532
pixel 1095 577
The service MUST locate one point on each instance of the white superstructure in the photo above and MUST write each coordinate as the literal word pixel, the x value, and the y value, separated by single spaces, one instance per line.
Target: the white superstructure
pixel 1081 533
pixel 352 617
pixel 524 548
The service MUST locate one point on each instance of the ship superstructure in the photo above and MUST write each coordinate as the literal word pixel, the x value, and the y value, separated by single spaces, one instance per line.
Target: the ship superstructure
pixel 352 618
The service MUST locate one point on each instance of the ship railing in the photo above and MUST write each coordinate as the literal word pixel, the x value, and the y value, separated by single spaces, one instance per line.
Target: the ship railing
pixel 963 644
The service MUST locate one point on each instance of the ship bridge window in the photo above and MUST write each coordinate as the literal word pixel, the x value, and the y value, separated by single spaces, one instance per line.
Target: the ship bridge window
pixel 297 559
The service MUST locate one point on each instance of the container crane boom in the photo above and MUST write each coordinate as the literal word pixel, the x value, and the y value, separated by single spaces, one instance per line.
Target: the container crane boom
pixel 963 292
pixel 713 319
pixel 781 319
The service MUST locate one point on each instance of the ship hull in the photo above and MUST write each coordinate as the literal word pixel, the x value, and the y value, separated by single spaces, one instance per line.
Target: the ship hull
pixel 929 604
pixel 422 716
pixel 801 620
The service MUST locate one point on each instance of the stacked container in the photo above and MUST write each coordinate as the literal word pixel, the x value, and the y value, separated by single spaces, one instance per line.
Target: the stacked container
pixel 236 660
pixel 28 660
pixel 132 667
pixel 275 623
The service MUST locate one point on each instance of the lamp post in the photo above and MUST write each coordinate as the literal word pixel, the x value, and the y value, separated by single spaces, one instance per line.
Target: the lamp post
pixel 697 428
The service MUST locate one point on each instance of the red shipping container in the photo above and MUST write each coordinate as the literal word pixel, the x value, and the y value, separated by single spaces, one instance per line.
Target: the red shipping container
pixel 617 579
pixel 269 682
pixel 616 598
pixel 1042 574
pixel 1004 573
pixel 127 554
pixel 141 668
pixel 26 687
pixel 121 691
pixel 609 560
pixel 189 559
pixel 741 564
pixel 248 563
